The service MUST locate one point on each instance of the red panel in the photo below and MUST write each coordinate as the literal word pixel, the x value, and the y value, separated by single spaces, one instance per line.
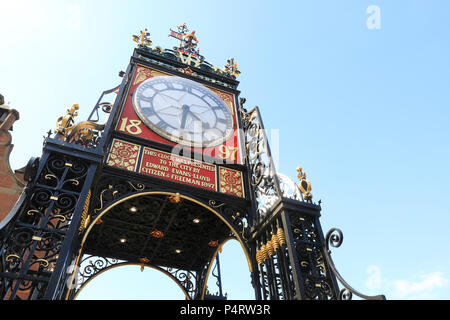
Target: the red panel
pixel 178 169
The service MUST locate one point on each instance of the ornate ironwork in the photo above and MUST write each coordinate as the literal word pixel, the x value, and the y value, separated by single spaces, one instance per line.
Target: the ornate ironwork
pixel 85 133
pixel 90 266
pixel 335 238
pixel 314 270
pixel 263 176
pixel 124 218
pixel 33 240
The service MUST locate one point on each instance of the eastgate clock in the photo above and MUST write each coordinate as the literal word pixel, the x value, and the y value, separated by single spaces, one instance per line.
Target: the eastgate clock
pixel 183 111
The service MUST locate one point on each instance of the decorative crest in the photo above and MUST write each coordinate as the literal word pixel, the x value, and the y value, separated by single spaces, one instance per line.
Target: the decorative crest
pixel 65 122
pixel 304 185
pixel 143 39
pixel 86 133
pixel 231 68
pixel 188 41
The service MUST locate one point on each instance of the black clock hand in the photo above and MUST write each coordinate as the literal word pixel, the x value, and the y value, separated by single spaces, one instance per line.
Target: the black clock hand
pixel 193 115
pixel 205 125
pixel 185 109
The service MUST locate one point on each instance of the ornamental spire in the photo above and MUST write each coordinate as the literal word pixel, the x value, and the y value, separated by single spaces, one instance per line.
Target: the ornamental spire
pixel 304 185
pixel 188 41
pixel 143 38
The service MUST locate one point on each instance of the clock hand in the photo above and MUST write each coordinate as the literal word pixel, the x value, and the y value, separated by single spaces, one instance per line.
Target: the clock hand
pixel 186 111
pixel 165 97
pixel 205 125
pixel 193 115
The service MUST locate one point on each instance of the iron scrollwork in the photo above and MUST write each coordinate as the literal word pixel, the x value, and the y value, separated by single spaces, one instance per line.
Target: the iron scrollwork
pixel 335 238
pixel 33 241
pixel 263 176
pixel 91 266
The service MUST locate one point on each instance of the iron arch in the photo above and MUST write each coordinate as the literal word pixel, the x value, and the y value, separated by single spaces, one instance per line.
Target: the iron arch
pixel 177 196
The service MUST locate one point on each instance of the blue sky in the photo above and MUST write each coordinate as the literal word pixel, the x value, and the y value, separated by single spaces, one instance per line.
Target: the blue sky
pixel 364 111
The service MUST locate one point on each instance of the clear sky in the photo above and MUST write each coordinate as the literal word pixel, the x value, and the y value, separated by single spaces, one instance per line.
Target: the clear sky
pixel 362 104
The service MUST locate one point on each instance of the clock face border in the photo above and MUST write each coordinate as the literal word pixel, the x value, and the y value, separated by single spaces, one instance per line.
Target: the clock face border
pixel 129 123
pixel 177 139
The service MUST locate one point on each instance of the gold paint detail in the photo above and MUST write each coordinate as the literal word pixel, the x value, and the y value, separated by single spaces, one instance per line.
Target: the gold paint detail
pixel 275 243
pixel 143 262
pixel 67 164
pixel 143 38
pixel 264 254
pixel 54 198
pixel 142 74
pixel 123 155
pixel 281 237
pixel 157 234
pixel 231 68
pixel 32 212
pixel 75 182
pixel 175 198
pixel 36 238
pixel 138 186
pixel 269 247
pixel 259 257
pixel 231 182
pixel 65 122
pixel 11 257
pixel 84 132
pixel 44 263
pixel 213 243
pixel 84 216
pixel 60 217
pixel 304 185
pixel 50 176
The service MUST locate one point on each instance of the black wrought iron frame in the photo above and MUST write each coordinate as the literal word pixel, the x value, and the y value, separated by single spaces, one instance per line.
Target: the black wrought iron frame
pixel 69 190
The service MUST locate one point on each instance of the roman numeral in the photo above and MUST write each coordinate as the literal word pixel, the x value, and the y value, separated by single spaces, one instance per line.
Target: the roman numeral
pixel 148 99
pixel 163 125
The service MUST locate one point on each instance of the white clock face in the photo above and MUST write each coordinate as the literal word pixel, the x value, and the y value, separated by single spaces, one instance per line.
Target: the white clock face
pixel 183 111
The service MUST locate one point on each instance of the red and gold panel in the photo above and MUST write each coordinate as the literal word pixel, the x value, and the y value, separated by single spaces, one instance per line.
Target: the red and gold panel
pixel 155 163
pixel 123 155
pixel 130 123
pixel 231 182
pixel 178 169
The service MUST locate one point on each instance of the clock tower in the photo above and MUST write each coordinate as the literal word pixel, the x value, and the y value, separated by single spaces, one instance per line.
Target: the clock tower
pixel 168 167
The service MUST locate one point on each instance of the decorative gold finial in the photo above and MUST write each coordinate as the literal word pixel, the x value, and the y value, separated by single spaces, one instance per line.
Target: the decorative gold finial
pixel 231 68
pixel 304 185
pixel 65 122
pixel 143 39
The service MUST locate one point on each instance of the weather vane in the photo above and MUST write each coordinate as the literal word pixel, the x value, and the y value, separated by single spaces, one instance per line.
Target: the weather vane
pixel 188 41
